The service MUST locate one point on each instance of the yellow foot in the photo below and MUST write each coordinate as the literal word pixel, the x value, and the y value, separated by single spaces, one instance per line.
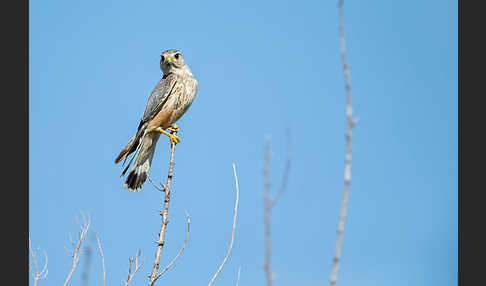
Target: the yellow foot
pixel 173 138
pixel 173 128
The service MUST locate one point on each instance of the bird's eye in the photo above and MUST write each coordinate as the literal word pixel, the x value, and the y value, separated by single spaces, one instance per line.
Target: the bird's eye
pixel 177 56
pixel 162 58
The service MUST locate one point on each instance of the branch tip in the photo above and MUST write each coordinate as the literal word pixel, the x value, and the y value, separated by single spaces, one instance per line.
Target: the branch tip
pixel 235 212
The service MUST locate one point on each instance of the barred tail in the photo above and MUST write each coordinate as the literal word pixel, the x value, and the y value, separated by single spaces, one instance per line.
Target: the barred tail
pixel 139 172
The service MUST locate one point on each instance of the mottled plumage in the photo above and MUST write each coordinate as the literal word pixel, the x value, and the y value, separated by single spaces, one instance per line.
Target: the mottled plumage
pixel 168 101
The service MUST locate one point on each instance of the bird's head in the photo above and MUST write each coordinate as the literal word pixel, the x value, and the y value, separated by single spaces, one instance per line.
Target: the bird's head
pixel 171 61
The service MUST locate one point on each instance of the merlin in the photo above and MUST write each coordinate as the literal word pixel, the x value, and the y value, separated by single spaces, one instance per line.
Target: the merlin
pixel 169 100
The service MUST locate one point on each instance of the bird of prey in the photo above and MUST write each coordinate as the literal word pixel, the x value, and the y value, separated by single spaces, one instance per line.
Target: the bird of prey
pixel 168 101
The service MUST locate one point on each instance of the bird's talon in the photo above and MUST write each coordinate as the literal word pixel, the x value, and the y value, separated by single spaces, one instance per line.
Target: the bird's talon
pixel 174 139
pixel 174 128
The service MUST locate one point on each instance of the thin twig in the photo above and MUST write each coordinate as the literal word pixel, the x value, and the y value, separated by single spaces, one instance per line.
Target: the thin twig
pixel 285 177
pixel 77 251
pixel 269 203
pixel 34 269
pixel 180 250
pixel 137 267
pixel 164 213
pixel 268 207
pixel 347 168
pixel 87 264
pixel 155 185
pixel 238 277
pixel 102 260
pixel 235 212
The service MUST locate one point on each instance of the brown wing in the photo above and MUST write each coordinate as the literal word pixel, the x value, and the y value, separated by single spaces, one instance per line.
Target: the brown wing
pixel 156 101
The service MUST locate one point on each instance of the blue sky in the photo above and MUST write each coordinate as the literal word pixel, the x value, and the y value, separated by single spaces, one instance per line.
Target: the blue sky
pixel 260 65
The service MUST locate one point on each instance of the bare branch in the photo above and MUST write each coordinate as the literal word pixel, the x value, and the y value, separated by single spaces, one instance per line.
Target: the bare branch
pixel 71 240
pixel 44 271
pixel 155 185
pixel 137 267
pixel 180 250
pixel 285 177
pixel 238 277
pixel 234 228
pixel 87 264
pixel 269 203
pixel 102 259
pixel 34 269
pixel 164 214
pixel 347 168
pixel 268 207
pixel 77 251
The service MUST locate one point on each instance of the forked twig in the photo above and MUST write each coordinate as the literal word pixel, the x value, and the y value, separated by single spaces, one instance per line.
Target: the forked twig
pixel 77 246
pixel 137 267
pixel 155 185
pixel 235 212
pixel 33 267
pixel 180 250
pixel 102 260
pixel 347 168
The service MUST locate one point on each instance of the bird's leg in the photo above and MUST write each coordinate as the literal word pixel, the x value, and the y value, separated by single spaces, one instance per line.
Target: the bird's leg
pixel 173 137
pixel 173 128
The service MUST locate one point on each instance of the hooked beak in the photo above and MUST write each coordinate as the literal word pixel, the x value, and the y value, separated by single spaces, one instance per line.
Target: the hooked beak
pixel 169 60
